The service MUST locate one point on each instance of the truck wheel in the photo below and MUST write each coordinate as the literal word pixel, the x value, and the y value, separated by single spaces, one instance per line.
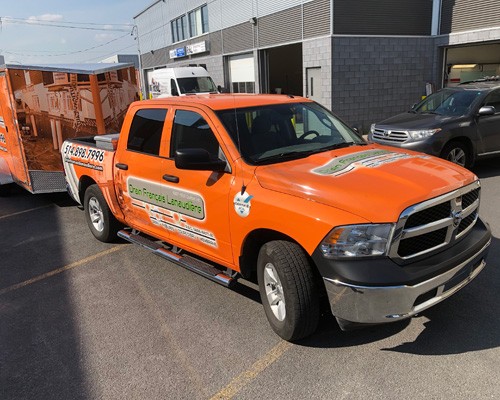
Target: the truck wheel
pixel 288 289
pixel 457 153
pixel 100 220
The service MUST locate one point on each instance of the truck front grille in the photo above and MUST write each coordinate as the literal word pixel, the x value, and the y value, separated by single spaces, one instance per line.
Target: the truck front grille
pixel 431 226
pixel 389 136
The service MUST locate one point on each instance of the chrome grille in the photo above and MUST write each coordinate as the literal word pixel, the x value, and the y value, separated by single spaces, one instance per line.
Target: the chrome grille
pixel 435 224
pixel 389 136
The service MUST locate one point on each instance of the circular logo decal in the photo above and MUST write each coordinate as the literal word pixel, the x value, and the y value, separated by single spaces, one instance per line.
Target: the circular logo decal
pixel 242 204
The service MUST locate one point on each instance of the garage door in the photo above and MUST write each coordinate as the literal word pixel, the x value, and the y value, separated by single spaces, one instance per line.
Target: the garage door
pixel 242 73
pixel 467 63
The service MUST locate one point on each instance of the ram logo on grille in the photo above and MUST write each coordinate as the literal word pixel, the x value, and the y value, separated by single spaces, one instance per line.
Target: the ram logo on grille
pixel 457 218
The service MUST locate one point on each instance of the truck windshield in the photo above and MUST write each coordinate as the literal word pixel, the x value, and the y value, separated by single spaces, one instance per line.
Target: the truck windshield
pixel 448 102
pixel 196 84
pixel 274 133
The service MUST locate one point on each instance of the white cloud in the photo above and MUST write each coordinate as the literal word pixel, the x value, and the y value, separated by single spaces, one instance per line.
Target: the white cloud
pixel 46 17
pixel 104 37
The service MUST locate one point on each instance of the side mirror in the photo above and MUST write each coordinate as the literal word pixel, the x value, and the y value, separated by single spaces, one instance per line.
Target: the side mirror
pixel 198 160
pixel 486 110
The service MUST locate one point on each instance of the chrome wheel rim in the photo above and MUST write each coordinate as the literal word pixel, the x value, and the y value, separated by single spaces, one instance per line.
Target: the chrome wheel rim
pixel 457 156
pixel 274 292
pixel 96 215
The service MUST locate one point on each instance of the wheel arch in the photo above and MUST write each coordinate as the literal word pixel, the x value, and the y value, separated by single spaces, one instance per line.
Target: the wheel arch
pixel 466 141
pixel 83 184
pixel 252 244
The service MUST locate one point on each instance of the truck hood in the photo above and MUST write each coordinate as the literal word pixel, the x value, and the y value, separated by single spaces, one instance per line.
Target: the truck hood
pixel 410 120
pixel 374 182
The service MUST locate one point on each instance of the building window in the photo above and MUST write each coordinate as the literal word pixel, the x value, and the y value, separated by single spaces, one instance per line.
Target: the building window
pixel 179 28
pixel 198 21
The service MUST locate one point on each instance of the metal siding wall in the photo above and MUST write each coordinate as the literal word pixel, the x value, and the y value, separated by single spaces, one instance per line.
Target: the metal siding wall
pixel 234 12
pixel 266 7
pixel 382 17
pixel 317 18
pixel 238 38
pixel 464 15
pixel 152 32
pixel 282 27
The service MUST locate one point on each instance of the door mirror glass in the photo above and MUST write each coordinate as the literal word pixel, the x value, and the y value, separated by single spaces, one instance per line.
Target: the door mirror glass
pixel 486 110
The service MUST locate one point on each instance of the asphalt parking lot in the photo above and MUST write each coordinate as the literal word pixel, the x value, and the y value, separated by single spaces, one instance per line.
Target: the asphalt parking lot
pixel 80 319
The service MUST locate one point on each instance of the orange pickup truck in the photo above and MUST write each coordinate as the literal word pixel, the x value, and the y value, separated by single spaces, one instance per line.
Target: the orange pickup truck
pixel 277 187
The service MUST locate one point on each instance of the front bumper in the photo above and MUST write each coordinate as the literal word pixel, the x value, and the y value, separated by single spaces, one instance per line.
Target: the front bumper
pixel 363 303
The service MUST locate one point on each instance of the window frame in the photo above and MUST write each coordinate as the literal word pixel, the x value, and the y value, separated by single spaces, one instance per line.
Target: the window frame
pixel 193 23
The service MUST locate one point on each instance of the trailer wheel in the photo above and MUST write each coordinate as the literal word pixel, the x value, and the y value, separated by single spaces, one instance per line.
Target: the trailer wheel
pixel 100 219
pixel 288 289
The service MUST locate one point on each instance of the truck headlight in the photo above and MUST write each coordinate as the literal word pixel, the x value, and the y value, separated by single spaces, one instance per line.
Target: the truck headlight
pixel 368 240
pixel 372 128
pixel 422 133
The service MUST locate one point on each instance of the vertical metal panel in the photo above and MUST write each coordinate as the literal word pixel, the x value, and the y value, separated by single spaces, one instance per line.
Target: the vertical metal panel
pixel 382 17
pixel 464 15
pixel 281 27
pixel 317 18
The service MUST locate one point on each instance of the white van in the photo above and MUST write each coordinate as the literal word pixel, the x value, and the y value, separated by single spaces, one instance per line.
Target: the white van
pixel 181 81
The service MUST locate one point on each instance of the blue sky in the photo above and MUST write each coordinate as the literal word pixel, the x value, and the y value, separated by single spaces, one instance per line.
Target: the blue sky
pixel 28 42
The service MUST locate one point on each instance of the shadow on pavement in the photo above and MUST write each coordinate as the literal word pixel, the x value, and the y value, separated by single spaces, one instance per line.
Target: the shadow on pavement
pixel 40 348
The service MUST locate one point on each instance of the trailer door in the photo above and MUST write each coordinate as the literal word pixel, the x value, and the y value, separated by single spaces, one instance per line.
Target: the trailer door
pixel 10 142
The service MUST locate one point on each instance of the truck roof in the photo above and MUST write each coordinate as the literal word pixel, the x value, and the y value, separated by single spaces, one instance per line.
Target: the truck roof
pixel 225 101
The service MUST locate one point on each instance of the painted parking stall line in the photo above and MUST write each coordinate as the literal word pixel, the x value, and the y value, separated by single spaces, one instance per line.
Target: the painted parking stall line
pixel 57 271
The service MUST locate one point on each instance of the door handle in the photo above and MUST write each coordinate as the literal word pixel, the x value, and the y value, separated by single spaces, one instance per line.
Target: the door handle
pixel 121 166
pixel 171 178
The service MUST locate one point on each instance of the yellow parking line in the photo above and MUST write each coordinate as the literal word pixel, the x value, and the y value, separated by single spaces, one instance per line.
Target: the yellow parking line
pixel 255 370
pixel 59 270
pixel 25 211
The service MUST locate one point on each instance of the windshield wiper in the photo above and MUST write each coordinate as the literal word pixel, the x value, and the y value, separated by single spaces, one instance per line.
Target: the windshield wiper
pixel 305 153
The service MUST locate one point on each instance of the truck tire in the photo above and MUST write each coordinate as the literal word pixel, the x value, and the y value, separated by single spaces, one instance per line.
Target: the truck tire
pixel 457 153
pixel 102 223
pixel 288 289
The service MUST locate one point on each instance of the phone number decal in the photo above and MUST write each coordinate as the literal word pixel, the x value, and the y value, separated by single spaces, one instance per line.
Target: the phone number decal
pixel 83 153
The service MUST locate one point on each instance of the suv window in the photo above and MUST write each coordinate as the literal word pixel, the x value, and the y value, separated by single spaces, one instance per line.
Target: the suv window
pixel 493 99
pixel 448 102
pixel 145 131
pixel 190 130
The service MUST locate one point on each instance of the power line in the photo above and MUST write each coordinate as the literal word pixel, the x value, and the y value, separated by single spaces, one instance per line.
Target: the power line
pixel 68 25
pixel 67 53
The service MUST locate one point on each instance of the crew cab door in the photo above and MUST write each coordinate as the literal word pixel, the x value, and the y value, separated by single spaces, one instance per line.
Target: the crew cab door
pixel 489 125
pixel 140 165
pixel 199 199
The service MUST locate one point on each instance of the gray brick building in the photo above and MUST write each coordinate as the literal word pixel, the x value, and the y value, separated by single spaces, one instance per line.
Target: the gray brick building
pixel 364 59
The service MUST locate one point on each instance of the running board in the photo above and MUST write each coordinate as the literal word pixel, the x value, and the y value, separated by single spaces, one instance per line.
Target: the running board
pixel 193 264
